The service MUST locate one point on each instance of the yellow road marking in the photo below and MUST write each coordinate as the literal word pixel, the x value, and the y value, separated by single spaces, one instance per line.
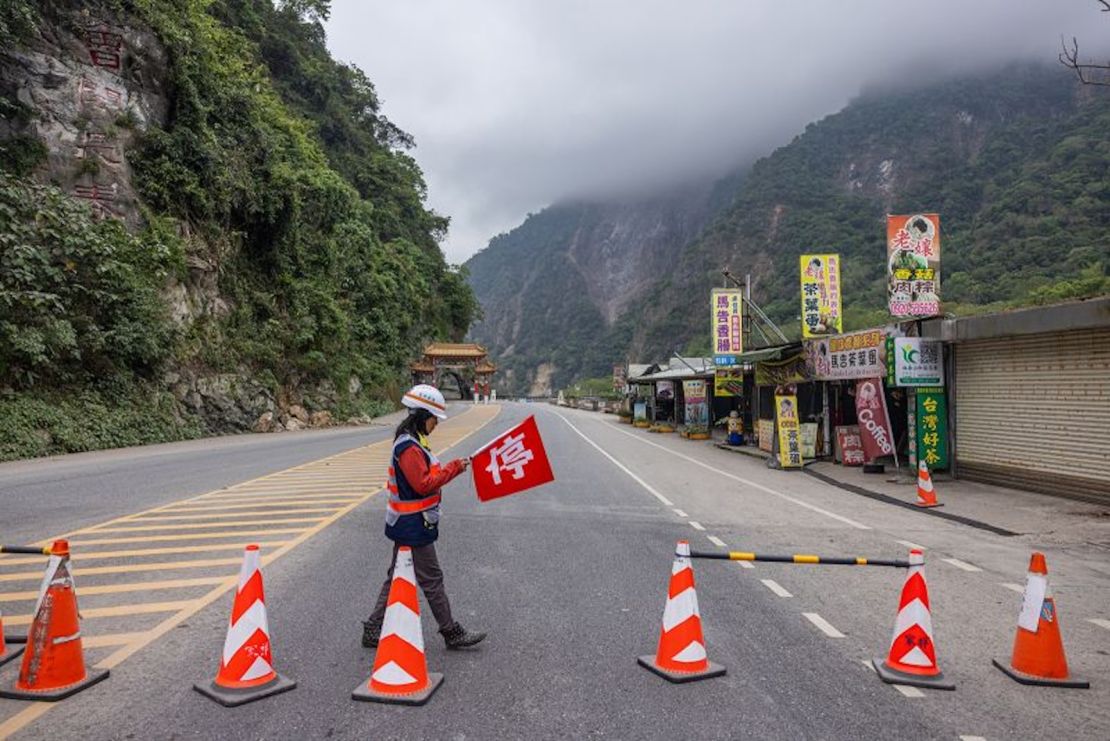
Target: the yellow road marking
pixel 131 568
pixel 241 534
pixel 92 555
pixel 266 503
pixel 218 516
pixel 140 586
pixel 111 639
pixel 36 710
pixel 98 530
pixel 142 608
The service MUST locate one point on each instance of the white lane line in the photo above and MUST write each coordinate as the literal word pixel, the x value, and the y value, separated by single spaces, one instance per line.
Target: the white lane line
pixel 742 480
pixel 823 625
pixel 905 689
pixel 1013 587
pixel 680 513
pixel 909 544
pixel 775 587
pixel 716 541
pixel 696 525
pixel 617 463
pixel 961 564
pixel 973 738
pixel 746 564
pixel 1100 622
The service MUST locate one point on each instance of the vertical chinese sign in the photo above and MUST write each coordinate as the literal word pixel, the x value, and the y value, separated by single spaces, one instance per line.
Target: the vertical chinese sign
pixel 727 325
pixel 790 443
pixel 932 426
pixel 697 406
pixel 820 276
pixel 620 379
pixel 913 265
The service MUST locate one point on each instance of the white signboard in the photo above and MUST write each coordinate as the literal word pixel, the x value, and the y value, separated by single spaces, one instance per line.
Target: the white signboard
pixel 918 362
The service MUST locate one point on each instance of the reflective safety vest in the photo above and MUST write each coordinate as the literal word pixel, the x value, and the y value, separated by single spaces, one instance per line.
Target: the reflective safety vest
pixel 403 499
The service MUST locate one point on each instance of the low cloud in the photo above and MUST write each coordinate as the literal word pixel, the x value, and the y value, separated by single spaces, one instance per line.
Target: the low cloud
pixel 515 104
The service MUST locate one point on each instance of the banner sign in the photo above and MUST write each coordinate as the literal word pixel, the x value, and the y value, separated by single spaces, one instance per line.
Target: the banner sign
pixel 848 356
pixel 726 305
pixel 639 411
pixel 932 427
pixel 766 430
pixel 850 445
pixel 820 295
pixel 511 463
pixel 874 425
pixel 918 362
pixel 728 382
pixel 664 389
pixel 620 378
pixel 809 440
pixel 697 405
pixel 783 372
pixel 790 442
pixel 913 265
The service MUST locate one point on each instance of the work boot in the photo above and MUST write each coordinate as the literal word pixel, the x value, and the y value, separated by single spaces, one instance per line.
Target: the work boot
pixel 457 637
pixel 370 632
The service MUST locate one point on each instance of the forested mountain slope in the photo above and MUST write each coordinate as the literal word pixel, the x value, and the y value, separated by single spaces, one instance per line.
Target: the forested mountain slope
pixel 204 218
pixel 1017 163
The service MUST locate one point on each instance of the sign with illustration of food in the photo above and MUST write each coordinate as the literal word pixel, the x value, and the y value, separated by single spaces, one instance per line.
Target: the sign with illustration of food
pixel 913 265
pixel 820 276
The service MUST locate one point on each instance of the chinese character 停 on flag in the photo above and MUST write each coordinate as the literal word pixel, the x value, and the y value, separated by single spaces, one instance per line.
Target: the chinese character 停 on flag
pixel 515 461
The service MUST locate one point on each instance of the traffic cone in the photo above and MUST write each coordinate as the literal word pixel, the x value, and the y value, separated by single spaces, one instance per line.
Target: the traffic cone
pixel 7 653
pixel 1038 656
pixel 681 655
pixel 926 497
pixel 54 663
pixel 246 669
pixel 912 658
pixel 400 672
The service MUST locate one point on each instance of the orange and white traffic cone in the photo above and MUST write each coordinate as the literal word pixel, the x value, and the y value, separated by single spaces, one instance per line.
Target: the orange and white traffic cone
pixel 54 663
pixel 912 658
pixel 926 497
pixel 400 673
pixel 1038 656
pixel 681 655
pixel 246 666
pixel 7 653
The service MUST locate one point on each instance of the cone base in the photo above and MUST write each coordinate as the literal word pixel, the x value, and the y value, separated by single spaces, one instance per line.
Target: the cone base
pixel 924 505
pixel 714 670
pixel 92 676
pixel 10 654
pixel 363 693
pixel 1024 678
pixel 230 697
pixel 893 676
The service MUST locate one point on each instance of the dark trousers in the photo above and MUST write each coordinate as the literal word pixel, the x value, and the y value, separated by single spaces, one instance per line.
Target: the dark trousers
pixel 430 578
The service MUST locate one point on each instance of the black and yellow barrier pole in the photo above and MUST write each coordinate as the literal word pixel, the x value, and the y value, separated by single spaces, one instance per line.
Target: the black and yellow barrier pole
pixel 30 550
pixel 801 558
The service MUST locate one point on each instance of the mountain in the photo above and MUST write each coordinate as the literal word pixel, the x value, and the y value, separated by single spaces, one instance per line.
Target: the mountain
pixel 1015 161
pixel 204 219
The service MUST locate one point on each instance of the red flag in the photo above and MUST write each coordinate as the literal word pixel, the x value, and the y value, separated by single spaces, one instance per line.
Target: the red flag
pixel 513 462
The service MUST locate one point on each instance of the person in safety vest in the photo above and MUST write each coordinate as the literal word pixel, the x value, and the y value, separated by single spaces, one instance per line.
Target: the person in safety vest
pixel 412 513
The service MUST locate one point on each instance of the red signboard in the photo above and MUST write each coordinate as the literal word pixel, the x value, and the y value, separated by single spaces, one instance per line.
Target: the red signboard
pixel 874 424
pixel 850 445
pixel 513 462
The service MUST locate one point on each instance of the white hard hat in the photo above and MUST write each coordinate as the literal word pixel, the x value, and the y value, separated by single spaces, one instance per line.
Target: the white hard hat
pixel 423 396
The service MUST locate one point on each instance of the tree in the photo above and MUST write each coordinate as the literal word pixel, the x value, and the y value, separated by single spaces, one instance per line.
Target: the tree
pixel 1089 73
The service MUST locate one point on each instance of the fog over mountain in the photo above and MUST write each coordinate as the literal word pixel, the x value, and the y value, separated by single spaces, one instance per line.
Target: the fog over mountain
pixel 516 104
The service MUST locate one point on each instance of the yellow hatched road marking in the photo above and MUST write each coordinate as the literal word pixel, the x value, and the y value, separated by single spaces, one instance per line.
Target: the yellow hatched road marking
pixel 141 586
pixel 248 498
pixel 130 568
pixel 97 530
pixel 93 555
pixel 267 503
pixel 216 516
pixel 186 536
pixel 141 608
pixel 451 433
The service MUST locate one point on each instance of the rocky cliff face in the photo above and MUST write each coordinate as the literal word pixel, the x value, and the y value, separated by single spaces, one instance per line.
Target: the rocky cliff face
pixel 564 278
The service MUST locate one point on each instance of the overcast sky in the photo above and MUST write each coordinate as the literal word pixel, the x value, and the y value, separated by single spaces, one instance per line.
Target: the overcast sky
pixel 516 104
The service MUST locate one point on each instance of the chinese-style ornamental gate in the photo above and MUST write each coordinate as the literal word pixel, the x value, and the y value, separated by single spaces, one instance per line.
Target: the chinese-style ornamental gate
pixel 466 363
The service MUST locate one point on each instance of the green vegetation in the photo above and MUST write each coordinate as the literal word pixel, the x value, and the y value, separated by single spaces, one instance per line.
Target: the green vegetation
pixel 276 163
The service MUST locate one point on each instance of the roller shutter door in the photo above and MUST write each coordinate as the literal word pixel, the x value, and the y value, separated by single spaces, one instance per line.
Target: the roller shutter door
pixel 1033 412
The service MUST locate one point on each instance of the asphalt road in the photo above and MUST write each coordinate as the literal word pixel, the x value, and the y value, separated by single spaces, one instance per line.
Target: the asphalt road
pixel 570 581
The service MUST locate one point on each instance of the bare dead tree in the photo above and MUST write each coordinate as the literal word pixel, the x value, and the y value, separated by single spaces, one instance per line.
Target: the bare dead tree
pixel 1089 73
